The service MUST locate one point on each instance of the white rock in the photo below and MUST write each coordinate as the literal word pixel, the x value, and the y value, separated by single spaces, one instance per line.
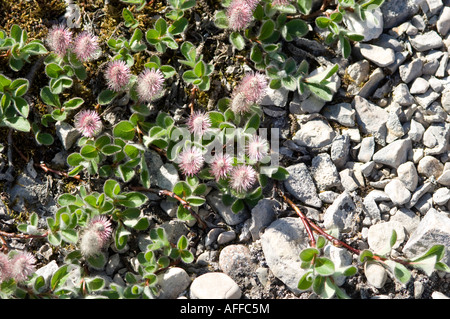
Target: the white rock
pixel 393 154
pixel 376 274
pixel 371 118
pixel 411 70
pixel 441 196
pixel 397 192
pixel 301 185
pixel 173 282
pixel 407 173
pixel 316 133
pixel 367 149
pixel 380 234
pixel 214 285
pixel 282 243
pixel 444 179
pixel 378 55
pixel 443 23
pixel 341 213
pixel 433 229
pixel 419 86
pixel 407 218
pixel 427 41
pixel 430 166
pixel 324 172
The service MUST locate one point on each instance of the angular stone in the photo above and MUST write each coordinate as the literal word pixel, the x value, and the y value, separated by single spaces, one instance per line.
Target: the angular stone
pixel 407 173
pixel 67 134
pixel 340 149
pixel 376 274
pixel 343 113
pixel 301 185
pixel 426 98
pixel 444 179
pixel 434 229
pixel 396 12
pixel 173 282
pixel 380 234
pixel 419 86
pixel 378 55
pixel 371 118
pixel 407 218
pixel 316 133
pixel 324 172
pixel 402 96
pixel 357 73
pixel 416 131
pixel 263 214
pixel 341 213
pixel 214 285
pixel 214 199
pixel 430 166
pixel 393 154
pixel 366 149
pixel 427 41
pixel 443 23
pixel 411 70
pixel 441 196
pixel 397 192
pixel 282 243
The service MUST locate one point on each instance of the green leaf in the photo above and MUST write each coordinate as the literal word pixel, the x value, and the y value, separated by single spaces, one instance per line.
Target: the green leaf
pixel 253 122
pixel 323 22
pixel 74 159
pixel 306 281
pixel 365 255
pixel 44 138
pixel 237 40
pixel 184 214
pixel 182 189
pixel 111 188
pixel 53 70
pixel 297 28
pixel 266 30
pixel 133 199
pixel 400 272
pixel 21 106
pixel 195 200
pixel 393 239
pixel 70 235
pixel 161 26
pixel 178 26
pixel 106 97
pixel 124 130
pixel 49 98
pixel 308 254
pixel 130 21
pixel 186 256
pixel 17 122
pixel 435 250
pixel 324 266
pixel 320 90
pixel 59 277
pixel 73 103
pixel 237 206
pixel 182 242
pixel 95 283
pixel 97 261
pixel 111 149
pixel 89 152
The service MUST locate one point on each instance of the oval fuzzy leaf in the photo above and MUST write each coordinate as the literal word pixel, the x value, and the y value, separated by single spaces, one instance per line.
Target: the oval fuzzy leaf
pixel 124 130
pixel 237 40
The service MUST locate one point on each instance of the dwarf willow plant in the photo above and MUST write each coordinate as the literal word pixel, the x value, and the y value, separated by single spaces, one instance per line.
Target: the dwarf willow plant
pixel 18 48
pixel 321 273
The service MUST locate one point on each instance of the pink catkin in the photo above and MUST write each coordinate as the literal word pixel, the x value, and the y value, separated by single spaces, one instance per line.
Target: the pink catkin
pixel 86 47
pixel 5 267
pixel 191 160
pixel 242 178
pixel 59 39
pixel 221 166
pixel 117 75
pixel 150 84
pixel 23 266
pixel 240 14
pixel 257 148
pixel 102 226
pixel 88 123
pixel 199 123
